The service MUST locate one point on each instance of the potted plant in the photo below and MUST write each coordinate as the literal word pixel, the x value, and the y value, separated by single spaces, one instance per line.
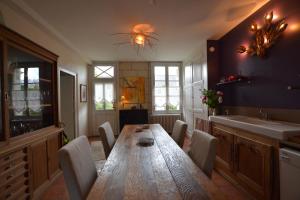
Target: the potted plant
pixel 212 99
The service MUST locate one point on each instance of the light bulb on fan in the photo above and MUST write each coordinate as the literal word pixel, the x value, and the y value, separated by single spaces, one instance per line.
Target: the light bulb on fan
pixel 140 39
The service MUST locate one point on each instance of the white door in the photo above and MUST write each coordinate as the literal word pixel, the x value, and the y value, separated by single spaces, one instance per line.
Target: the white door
pixel 193 84
pixel 104 96
pixel 188 110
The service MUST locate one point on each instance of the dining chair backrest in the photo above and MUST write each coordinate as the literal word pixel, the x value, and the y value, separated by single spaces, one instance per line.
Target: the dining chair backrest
pixel 203 151
pixel 78 167
pixel 178 132
pixel 107 137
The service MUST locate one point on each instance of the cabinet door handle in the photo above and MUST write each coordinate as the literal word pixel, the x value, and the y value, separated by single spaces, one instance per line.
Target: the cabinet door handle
pixel 8 186
pixel 232 153
pixel 6 96
pixel 7 158
pixel 236 156
pixel 254 149
pixel 9 177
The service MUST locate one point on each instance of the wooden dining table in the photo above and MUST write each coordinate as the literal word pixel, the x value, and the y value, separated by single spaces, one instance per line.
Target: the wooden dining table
pixel 161 171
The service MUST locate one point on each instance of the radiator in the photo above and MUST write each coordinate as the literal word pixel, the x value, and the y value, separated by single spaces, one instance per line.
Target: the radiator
pixel 166 121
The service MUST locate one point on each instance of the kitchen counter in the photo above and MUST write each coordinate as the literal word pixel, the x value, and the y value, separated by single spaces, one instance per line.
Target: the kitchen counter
pixel 273 129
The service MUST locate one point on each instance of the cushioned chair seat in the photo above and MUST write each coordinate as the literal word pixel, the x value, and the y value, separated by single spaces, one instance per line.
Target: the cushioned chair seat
pixel 203 151
pixel 107 137
pixel 178 132
pixel 78 167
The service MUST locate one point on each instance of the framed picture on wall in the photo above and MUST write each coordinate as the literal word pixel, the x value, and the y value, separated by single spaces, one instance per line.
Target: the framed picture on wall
pixel 83 93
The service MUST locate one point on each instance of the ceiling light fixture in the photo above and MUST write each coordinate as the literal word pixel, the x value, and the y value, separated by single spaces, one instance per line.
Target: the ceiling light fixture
pixel 140 39
pixel 264 37
pixel 142 35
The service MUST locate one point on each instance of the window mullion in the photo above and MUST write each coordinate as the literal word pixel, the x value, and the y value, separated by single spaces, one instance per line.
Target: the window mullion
pixel 167 88
pixel 104 102
pixel 26 90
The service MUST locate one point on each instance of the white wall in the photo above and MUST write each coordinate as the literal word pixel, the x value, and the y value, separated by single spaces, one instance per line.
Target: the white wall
pixel 68 58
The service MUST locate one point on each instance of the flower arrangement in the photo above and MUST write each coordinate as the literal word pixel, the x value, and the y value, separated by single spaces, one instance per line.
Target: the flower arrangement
pixel 212 98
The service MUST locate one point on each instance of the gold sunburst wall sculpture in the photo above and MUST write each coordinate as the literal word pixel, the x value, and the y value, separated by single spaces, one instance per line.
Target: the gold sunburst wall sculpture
pixel 141 36
pixel 264 36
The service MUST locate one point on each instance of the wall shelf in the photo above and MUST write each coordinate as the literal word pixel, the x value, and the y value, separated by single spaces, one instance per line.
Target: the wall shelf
pixel 290 87
pixel 248 81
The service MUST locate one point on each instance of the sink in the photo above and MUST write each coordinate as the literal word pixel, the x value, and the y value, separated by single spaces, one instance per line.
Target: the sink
pixel 274 129
pixel 252 120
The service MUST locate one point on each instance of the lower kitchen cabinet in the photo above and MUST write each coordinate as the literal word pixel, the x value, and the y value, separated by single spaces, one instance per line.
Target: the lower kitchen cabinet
pixel 45 161
pixel 15 174
pixel 253 165
pixel 54 143
pixel 224 148
pixel 247 159
pixel 39 164
pixel 29 165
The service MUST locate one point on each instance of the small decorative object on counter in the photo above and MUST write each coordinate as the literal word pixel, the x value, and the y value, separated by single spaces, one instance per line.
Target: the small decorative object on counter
pixel 232 78
pixel 212 99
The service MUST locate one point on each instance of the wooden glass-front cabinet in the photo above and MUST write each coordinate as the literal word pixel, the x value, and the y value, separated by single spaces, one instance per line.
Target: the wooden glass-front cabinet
pixel 29 132
pixel 30 91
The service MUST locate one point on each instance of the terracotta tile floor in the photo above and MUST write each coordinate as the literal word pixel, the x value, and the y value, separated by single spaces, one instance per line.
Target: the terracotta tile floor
pixel 58 190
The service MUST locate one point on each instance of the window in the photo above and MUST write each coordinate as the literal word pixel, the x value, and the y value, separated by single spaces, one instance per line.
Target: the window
pixel 26 94
pixel 166 88
pixel 104 93
pixel 104 72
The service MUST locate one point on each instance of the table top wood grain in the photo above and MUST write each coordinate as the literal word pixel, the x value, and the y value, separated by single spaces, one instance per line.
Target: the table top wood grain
pixel 161 171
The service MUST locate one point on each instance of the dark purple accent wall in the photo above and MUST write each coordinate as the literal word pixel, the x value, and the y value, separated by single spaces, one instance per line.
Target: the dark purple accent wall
pixel 270 75
pixel 213 58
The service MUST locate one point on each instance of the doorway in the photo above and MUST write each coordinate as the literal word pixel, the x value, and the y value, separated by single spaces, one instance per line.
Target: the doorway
pixel 67 104
pixel 104 92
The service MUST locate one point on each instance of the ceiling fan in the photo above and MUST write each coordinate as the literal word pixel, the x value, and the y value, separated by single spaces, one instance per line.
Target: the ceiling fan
pixel 141 36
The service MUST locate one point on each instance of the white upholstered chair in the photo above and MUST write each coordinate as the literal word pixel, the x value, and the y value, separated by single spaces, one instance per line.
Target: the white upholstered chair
pixel 107 137
pixel 178 132
pixel 203 151
pixel 78 167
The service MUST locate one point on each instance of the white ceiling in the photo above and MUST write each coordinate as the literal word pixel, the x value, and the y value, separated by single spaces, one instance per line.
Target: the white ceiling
pixel 182 25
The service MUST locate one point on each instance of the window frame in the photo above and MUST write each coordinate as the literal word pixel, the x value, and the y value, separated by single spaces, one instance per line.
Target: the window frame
pixel 109 80
pixel 166 65
pixel 26 84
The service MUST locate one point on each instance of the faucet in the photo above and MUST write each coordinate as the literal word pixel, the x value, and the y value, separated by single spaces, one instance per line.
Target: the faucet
pixel 226 112
pixel 264 115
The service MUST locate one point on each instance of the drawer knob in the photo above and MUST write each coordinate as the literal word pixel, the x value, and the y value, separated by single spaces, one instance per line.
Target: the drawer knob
pixel 8 186
pixel 9 177
pixel 7 158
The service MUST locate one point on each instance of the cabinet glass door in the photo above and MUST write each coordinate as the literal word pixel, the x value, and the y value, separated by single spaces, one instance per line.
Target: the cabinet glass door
pixel 30 92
